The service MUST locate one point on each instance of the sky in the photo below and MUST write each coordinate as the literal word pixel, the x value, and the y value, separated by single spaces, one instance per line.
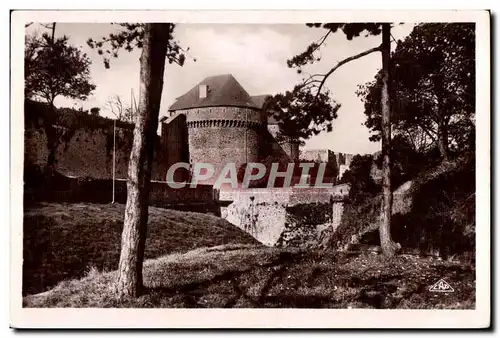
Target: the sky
pixel 255 54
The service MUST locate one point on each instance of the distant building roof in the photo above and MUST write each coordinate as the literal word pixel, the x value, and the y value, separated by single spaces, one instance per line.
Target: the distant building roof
pixel 259 101
pixel 222 90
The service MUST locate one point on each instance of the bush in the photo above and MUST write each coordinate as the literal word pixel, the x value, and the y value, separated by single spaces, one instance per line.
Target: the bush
pixel 301 226
pixel 441 219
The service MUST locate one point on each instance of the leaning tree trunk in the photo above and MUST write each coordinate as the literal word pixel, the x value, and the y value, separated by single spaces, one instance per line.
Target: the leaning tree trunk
pixel 152 61
pixel 442 129
pixel 443 141
pixel 388 246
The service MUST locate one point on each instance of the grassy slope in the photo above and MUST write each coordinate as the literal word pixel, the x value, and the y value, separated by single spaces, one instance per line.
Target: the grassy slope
pixel 64 241
pixel 249 276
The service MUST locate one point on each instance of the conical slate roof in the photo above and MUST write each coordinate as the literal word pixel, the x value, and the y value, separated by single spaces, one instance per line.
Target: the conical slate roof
pixel 223 90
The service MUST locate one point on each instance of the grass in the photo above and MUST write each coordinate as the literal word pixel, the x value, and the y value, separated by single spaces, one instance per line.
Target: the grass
pixel 65 241
pixel 255 277
pixel 198 260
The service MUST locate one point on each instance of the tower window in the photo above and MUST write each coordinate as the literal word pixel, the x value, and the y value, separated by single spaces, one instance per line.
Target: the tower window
pixel 203 91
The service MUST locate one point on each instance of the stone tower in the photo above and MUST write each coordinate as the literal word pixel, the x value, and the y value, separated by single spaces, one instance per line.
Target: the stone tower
pixel 224 123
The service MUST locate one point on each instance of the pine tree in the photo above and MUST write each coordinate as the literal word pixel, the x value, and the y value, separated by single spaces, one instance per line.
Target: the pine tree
pixel 316 83
pixel 157 44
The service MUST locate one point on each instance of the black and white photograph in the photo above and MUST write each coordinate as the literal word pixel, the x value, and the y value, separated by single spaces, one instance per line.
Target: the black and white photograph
pixel 176 163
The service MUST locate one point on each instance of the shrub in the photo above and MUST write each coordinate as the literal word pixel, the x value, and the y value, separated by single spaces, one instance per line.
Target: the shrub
pixel 441 219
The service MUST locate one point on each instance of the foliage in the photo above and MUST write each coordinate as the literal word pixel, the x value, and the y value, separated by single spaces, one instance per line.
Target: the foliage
pixel 301 114
pixel 129 37
pixel 432 88
pixel 357 220
pixel 406 162
pixel 55 68
pixel 358 176
pixel 442 217
pixel 440 220
pixel 301 225
pixel 350 30
pixel 95 111
pixel 308 109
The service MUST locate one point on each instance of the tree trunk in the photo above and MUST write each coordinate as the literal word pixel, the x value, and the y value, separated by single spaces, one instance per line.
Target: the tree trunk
pixel 52 138
pixel 388 246
pixel 443 140
pixel 53 31
pixel 152 61
pixel 442 130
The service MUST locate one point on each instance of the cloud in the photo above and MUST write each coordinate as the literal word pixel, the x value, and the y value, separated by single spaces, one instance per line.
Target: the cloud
pixel 256 56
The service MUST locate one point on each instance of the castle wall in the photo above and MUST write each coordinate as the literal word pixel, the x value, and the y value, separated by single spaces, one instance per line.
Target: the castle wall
pixel 289 147
pixel 273 215
pixel 85 149
pixel 175 136
pixel 319 155
pixel 35 146
pixel 273 129
pixel 339 161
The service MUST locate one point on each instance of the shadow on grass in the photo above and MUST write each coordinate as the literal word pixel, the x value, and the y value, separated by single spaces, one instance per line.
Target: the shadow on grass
pixel 63 241
pixel 270 286
pixel 228 285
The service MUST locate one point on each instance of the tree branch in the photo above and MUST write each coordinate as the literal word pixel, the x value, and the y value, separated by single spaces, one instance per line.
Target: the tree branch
pixel 428 132
pixel 322 40
pixel 307 83
pixel 343 62
pixel 310 80
pixel 393 39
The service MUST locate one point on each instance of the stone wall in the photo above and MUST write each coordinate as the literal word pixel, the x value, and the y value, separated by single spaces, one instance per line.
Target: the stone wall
pixel 61 188
pixel 322 155
pixel 84 146
pixel 176 141
pixel 340 161
pixel 291 148
pixel 319 155
pixel 221 135
pixel 268 214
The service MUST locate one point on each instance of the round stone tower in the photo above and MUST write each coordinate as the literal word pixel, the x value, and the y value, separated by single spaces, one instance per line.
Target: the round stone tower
pixel 223 123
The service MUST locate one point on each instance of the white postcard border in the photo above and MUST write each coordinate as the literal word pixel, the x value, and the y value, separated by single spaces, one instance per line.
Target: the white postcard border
pixel 257 318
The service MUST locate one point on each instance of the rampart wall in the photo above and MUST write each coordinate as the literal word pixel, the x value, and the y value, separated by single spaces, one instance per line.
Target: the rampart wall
pixel 277 216
pixel 83 145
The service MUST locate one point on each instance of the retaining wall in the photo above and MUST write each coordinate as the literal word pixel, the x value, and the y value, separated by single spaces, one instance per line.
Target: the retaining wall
pixel 268 214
